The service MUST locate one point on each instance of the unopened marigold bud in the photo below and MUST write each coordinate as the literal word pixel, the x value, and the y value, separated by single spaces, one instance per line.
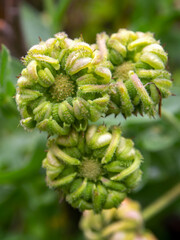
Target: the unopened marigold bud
pixel 95 168
pixel 64 83
pixel 140 79
pixel 124 223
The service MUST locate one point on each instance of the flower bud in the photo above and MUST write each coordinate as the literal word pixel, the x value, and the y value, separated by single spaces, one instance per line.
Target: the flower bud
pixel 99 167
pixel 139 63
pixel 64 83
pixel 124 223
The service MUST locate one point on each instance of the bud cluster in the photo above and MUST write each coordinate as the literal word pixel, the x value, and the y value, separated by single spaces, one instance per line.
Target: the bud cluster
pixel 95 168
pixel 140 79
pixel 125 223
pixel 65 84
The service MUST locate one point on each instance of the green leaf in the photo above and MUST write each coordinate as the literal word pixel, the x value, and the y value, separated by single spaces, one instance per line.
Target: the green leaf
pixel 4 64
pixel 156 139
pixel 33 25
pixel 29 169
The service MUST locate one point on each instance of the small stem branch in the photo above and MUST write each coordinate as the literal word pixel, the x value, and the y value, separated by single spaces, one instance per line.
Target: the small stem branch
pixel 161 203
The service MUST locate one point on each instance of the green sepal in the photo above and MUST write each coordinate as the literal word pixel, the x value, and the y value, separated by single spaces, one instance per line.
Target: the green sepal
pixel 62 181
pixel 64 157
pixel 99 197
pixel 65 112
pixel 77 193
pixel 116 134
pixel 114 198
pixel 52 127
pixel 113 185
pixel 132 168
pixel 45 79
pixel 42 111
pixel 28 123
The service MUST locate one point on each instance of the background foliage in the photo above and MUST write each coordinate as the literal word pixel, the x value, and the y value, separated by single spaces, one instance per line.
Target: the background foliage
pixel 28 209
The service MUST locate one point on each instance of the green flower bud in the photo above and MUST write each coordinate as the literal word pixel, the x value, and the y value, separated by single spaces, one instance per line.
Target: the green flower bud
pixel 124 223
pixel 65 82
pixel 94 168
pixel 140 79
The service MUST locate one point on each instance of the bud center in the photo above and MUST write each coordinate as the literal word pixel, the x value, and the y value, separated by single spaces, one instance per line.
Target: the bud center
pixel 62 88
pixel 122 71
pixel 90 169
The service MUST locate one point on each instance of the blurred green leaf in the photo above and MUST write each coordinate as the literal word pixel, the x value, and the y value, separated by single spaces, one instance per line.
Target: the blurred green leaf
pixel 9 69
pixel 34 26
pixel 56 11
pixel 155 139
pixel 28 152
pixel 4 62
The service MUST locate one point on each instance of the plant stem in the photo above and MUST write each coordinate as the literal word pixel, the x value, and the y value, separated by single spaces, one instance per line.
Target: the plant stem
pixel 161 203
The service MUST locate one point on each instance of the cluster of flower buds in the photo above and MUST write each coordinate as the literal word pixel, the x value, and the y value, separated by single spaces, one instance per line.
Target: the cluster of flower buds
pixel 94 168
pixel 125 223
pixel 140 79
pixel 65 84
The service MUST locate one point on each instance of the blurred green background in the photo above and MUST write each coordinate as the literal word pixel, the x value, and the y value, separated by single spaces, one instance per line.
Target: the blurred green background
pixel 28 209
